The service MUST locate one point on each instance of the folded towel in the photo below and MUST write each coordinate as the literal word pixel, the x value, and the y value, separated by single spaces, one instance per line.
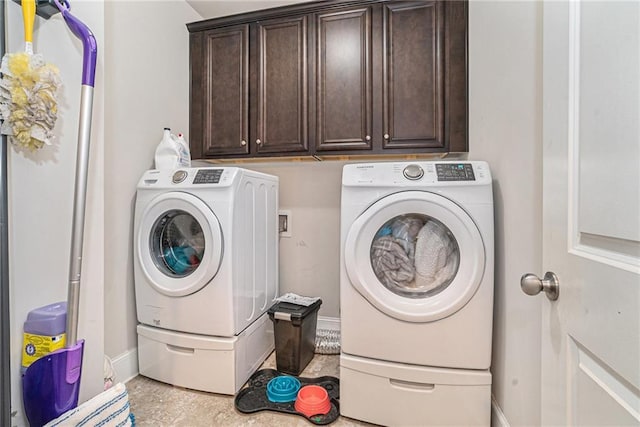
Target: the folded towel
pixel 110 409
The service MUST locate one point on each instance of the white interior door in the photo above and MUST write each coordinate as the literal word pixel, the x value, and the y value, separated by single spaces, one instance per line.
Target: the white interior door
pixel 591 214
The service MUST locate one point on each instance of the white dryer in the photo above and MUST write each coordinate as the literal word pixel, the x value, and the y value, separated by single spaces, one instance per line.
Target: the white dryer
pixel 416 292
pixel 206 272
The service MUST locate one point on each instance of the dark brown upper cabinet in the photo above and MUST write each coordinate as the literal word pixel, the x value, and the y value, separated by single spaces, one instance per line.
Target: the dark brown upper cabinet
pixel 343 79
pixel 331 78
pixel 424 76
pixel 412 75
pixel 219 115
pixel 281 125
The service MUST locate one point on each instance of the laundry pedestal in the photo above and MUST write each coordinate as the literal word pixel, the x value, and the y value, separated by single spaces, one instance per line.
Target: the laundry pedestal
pixel 394 394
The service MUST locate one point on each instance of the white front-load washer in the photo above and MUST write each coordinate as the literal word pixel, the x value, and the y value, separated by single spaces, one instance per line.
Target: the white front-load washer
pixel 416 292
pixel 206 272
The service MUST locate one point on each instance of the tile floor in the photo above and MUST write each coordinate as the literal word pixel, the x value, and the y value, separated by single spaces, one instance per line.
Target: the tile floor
pixel 157 404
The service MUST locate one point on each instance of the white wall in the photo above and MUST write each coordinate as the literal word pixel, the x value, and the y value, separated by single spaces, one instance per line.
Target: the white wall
pixel 212 9
pixel 147 81
pixel 505 127
pixel 310 258
pixel 146 91
pixel 41 187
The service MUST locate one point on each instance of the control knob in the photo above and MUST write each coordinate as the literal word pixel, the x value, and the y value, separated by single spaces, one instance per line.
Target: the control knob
pixel 179 176
pixel 413 172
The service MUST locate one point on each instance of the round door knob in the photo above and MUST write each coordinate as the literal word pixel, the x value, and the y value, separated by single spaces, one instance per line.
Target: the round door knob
pixel 243 142
pixel 386 136
pixel 258 142
pixel 533 285
pixel 368 138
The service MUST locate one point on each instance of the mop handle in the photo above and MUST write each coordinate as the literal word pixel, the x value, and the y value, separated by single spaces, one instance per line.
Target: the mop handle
pixel 89 44
pixel 90 53
pixel 79 204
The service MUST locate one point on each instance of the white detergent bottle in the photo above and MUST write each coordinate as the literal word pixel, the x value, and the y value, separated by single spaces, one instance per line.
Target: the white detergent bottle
pixel 183 147
pixel 168 152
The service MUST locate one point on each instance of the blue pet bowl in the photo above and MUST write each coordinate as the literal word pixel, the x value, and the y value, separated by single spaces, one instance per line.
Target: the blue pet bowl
pixel 283 389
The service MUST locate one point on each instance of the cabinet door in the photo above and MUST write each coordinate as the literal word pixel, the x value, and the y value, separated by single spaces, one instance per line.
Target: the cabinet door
pixel 413 80
pixel 343 111
pixel 220 92
pixel 282 118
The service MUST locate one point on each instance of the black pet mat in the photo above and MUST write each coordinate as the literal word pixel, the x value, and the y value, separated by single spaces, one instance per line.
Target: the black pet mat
pixel 253 397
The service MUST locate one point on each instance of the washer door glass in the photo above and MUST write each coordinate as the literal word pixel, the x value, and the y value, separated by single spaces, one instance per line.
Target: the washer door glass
pixel 415 256
pixel 179 244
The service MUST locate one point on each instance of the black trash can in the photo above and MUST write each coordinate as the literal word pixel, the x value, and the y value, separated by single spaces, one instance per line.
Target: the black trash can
pixel 294 328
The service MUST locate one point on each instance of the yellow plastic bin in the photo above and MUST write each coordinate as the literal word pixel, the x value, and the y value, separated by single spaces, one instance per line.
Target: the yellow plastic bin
pixel 294 328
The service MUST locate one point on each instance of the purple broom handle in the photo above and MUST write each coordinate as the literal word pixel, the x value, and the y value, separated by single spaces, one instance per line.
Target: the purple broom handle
pixel 90 47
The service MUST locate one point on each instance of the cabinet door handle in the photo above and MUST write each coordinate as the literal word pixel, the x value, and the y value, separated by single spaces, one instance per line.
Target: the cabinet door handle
pixel 258 142
pixel 368 138
pixel 386 136
pixel 243 142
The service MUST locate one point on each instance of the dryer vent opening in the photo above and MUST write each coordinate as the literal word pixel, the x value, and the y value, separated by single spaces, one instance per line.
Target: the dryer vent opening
pixel 327 341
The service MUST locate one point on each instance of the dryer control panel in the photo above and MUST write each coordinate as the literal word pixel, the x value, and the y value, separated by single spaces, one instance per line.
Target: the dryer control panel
pixel 455 172
pixel 208 176
pixel 418 173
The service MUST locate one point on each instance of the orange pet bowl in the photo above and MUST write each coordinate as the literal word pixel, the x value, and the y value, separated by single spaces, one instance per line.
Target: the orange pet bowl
pixel 313 400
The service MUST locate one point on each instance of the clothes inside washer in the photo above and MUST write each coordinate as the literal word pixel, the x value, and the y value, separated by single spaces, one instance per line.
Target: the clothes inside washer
pixel 436 257
pixel 181 259
pixel 390 262
pixel 405 229
pixel 414 255
pixel 178 243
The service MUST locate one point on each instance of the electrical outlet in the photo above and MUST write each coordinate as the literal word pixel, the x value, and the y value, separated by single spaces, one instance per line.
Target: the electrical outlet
pixel 284 223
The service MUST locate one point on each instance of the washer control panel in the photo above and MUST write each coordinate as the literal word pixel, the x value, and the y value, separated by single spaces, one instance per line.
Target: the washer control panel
pixel 208 176
pixel 203 177
pixel 455 172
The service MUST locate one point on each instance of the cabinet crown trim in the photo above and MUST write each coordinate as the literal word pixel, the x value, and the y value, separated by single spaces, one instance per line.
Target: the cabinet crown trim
pixel 275 12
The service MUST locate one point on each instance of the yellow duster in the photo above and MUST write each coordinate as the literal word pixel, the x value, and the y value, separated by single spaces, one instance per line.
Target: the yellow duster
pixel 28 93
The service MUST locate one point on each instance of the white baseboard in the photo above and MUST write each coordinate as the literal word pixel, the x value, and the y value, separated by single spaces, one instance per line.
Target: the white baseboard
pixel 330 323
pixel 498 418
pixel 126 365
